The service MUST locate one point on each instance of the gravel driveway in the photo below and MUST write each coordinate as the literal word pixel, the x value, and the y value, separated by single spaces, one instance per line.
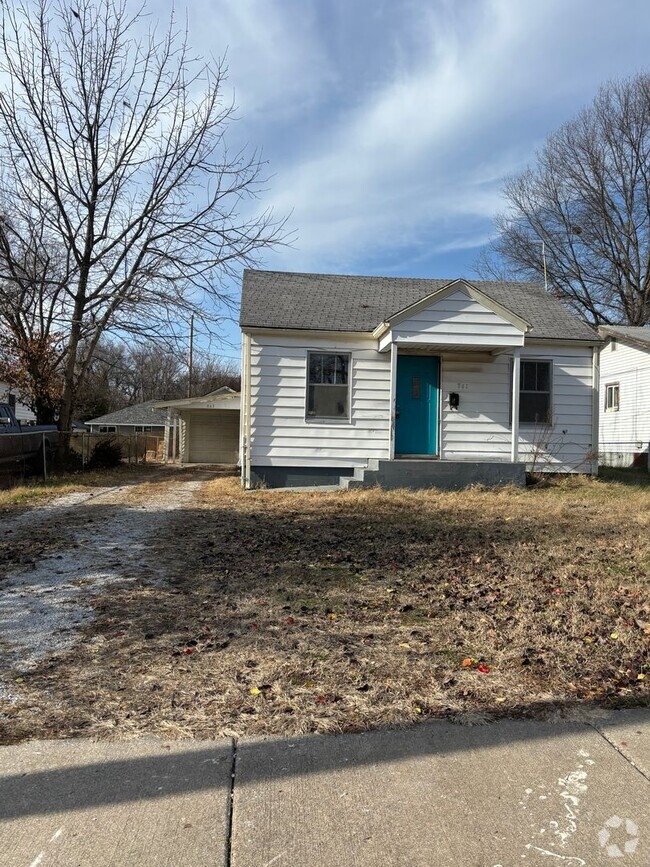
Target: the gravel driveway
pixel 96 540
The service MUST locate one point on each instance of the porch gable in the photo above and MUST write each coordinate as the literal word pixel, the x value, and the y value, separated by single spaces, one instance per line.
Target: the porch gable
pixel 459 316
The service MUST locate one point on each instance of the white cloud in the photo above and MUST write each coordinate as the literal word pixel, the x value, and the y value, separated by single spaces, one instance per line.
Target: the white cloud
pixel 391 125
pixel 277 63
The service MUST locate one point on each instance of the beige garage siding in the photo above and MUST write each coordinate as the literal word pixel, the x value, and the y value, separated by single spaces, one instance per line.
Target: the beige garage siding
pixel 212 436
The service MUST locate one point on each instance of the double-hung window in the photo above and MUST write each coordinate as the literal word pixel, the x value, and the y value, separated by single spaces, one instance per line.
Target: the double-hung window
pixel 612 397
pixel 535 392
pixel 328 387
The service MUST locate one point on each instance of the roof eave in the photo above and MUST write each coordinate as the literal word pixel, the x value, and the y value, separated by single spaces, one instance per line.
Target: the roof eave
pixel 274 329
pixel 624 338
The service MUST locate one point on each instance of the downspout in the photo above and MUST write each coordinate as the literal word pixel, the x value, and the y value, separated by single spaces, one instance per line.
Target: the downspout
pixel 242 414
pixel 247 411
pixel 595 407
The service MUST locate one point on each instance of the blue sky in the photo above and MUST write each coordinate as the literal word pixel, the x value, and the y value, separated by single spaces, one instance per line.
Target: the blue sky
pixel 390 125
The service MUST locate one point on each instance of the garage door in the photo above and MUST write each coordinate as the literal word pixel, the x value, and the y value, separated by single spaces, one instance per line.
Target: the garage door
pixel 212 436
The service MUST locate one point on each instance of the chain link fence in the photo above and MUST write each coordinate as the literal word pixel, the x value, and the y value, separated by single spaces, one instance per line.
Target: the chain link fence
pixel 36 454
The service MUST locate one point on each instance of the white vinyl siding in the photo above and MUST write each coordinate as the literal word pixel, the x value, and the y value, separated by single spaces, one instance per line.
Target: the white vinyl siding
pixel 457 320
pixel 626 433
pixel 211 436
pixel 480 428
pixel 282 435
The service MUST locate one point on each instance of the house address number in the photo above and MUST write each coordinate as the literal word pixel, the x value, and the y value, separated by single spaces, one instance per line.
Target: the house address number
pixel 462 386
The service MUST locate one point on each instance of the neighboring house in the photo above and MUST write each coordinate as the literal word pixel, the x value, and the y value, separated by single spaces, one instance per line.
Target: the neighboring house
pixel 23 413
pixel 204 430
pixel 362 380
pixel 624 396
pixel 145 418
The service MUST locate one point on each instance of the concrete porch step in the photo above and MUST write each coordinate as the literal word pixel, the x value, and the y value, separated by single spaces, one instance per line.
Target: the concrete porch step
pixel 445 475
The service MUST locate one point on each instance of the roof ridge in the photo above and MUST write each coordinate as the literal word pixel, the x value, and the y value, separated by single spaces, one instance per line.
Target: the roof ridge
pixel 471 280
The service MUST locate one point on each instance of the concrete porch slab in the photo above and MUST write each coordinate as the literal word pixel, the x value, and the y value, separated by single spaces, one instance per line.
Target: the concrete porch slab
pixel 511 793
pixel 142 803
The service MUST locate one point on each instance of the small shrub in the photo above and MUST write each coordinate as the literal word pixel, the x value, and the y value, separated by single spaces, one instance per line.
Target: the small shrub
pixel 105 455
pixel 70 462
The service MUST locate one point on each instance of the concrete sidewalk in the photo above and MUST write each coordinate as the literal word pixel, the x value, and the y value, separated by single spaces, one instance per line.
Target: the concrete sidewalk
pixel 510 793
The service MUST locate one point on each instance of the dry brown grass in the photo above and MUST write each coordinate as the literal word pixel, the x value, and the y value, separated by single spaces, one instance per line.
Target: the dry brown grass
pixel 35 491
pixel 289 613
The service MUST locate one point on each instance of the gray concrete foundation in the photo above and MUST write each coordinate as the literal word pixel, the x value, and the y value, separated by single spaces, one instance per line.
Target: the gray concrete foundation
pixel 297 477
pixel 445 475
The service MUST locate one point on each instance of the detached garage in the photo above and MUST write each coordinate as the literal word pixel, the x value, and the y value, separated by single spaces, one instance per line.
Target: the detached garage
pixel 205 430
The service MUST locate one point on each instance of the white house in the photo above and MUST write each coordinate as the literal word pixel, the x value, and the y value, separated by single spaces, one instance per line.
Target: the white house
pixel 624 396
pixel 23 413
pixel 364 380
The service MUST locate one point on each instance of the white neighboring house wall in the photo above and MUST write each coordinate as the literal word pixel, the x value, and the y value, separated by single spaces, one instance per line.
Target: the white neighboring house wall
pixel 281 435
pixel 625 433
pixel 23 413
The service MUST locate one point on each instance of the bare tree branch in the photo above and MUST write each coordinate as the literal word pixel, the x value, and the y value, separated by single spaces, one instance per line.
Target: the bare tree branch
pixel 588 199
pixel 123 209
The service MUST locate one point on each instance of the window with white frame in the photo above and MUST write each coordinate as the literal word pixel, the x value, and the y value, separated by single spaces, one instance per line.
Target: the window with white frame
pixel 535 392
pixel 328 389
pixel 142 428
pixel 108 428
pixel 612 397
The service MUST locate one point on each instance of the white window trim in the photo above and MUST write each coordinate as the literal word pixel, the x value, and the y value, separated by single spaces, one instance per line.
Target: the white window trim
pixel 325 421
pixel 551 383
pixel 617 386
pixel 107 428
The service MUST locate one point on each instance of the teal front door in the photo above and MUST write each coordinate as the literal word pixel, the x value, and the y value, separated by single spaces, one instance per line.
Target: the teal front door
pixel 416 417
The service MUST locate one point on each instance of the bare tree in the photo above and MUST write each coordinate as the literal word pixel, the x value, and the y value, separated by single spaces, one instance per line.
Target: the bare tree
pixel 214 373
pixel 123 208
pixel 119 375
pixel 588 199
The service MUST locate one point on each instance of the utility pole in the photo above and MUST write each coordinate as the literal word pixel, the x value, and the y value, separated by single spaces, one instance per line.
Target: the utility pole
pixel 190 358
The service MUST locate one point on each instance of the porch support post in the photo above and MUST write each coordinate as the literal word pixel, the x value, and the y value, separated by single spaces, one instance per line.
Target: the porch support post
pixel 393 392
pixel 516 373
pixel 176 437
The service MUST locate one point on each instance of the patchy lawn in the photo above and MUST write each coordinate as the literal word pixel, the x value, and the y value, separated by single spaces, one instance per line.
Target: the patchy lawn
pixel 34 491
pixel 288 613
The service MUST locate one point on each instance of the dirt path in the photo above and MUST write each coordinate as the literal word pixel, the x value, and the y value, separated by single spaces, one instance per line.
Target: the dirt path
pixel 79 545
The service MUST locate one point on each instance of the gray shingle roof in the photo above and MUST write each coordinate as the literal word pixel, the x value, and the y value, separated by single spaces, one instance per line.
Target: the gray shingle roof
pixel 638 335
pixel 330 302
pixel 140 413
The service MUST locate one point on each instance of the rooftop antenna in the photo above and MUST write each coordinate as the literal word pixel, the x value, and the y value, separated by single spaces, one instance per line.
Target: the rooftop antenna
pixel 544 263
